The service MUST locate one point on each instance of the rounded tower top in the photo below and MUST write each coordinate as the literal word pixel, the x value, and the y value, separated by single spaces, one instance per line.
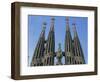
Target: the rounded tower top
pixel 44 25
pixel 43 29
pixel 52 18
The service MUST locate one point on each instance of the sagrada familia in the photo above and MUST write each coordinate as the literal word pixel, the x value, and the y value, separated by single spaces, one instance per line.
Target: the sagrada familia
pixel 45 54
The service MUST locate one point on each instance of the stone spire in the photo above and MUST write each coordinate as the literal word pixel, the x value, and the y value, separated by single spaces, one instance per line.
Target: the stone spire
pixel 50 45
pixel 68 44
pixel 78 52
pixel 39 50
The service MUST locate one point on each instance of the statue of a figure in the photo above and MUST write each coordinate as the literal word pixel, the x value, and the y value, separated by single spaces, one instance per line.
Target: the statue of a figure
pixel 59 55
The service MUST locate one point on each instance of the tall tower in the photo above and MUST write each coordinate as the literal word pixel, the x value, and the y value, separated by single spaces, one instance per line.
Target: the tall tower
pixel 68 45
pixel 39 50
pixel 50 46
pixel 59 55
pixel 78 52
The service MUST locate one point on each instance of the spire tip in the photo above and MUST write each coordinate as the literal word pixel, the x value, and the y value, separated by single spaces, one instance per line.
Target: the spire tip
pixel 67 19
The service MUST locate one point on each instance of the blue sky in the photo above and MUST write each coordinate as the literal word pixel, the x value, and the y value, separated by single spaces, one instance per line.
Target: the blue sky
pixel 35 27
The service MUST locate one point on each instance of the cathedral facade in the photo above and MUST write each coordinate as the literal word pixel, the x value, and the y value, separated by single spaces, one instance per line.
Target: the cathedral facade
pixel 45 54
